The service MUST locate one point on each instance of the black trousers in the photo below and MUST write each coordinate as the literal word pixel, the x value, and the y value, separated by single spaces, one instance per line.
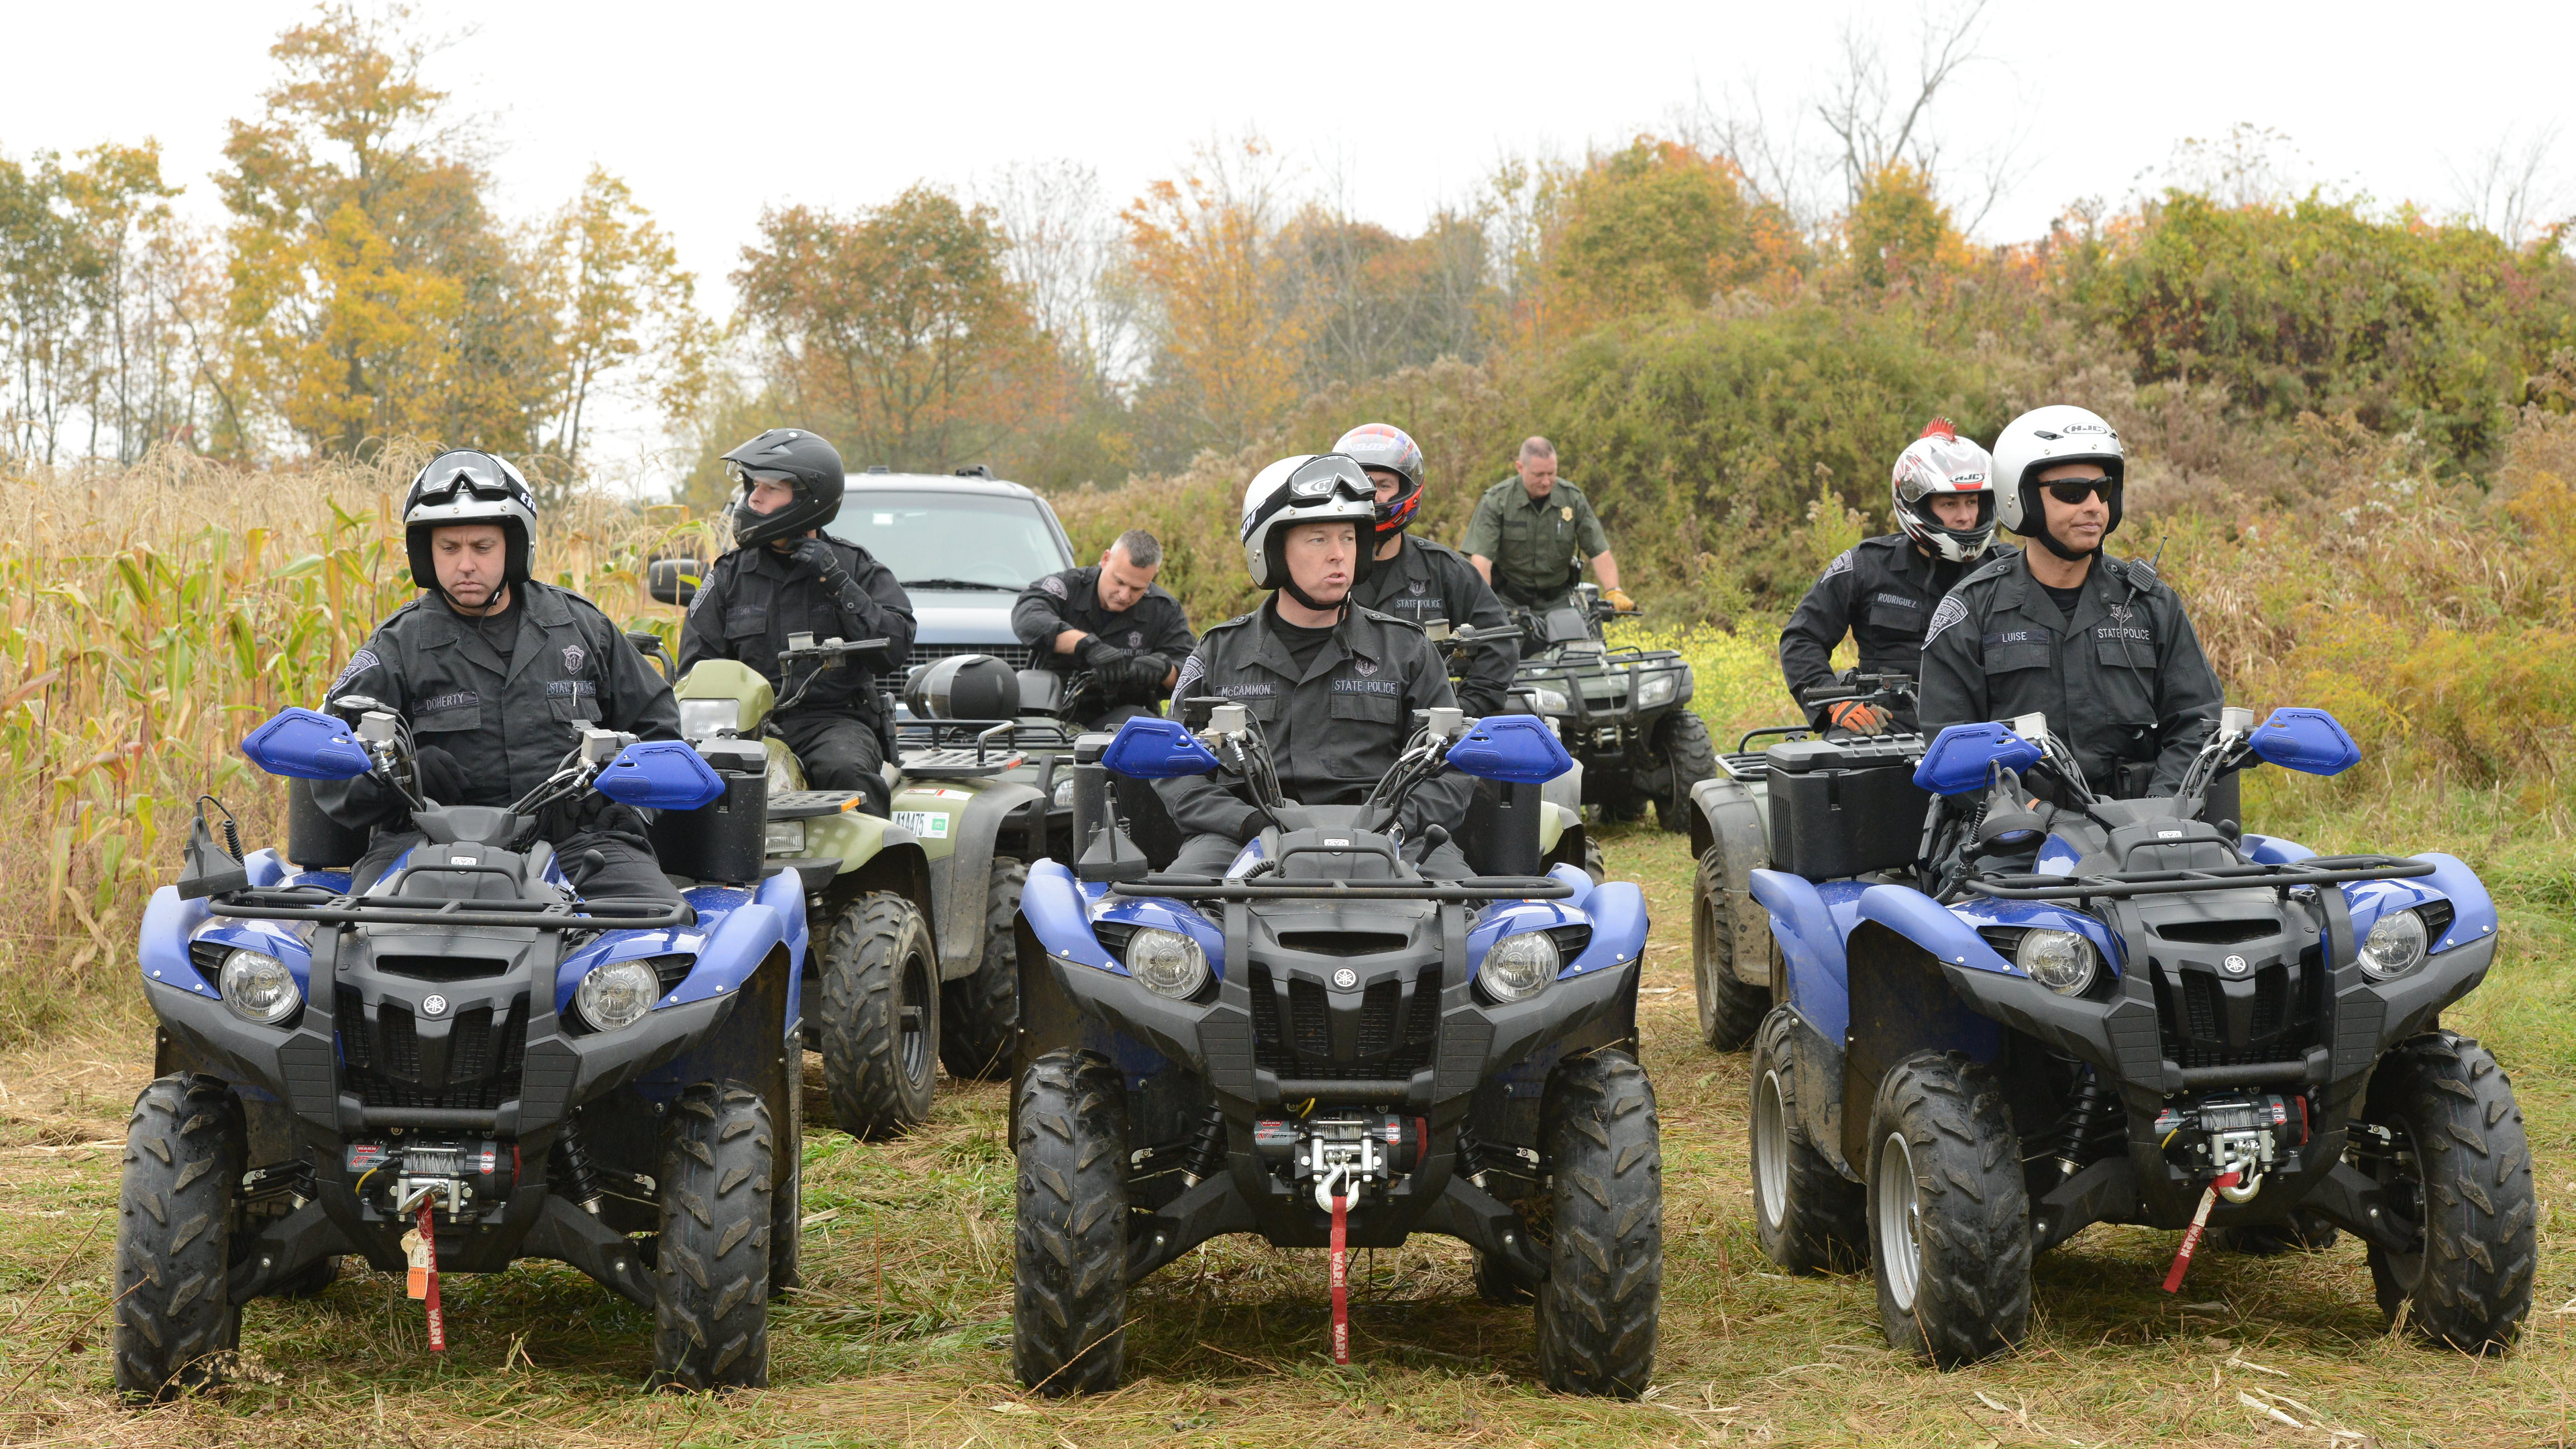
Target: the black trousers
pixel 600 865
pixel 1108 720
pixel 1211 854
pixel 839 752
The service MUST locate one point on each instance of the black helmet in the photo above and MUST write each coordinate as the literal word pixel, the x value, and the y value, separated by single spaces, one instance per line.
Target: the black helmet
pixel 796 458
pixel 463 486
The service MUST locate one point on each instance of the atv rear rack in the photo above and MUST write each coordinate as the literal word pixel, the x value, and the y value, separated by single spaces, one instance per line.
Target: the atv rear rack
pixel 2122 885
pixel 530 915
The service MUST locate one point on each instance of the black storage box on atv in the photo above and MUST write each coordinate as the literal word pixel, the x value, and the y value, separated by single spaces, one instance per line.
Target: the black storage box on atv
pixel 1844 807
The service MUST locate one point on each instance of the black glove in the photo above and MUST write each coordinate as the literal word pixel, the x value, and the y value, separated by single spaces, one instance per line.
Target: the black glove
pixel 440 778
pixel 1145 673
pixel 817 556
pixel 1252 826
pixel 1101 657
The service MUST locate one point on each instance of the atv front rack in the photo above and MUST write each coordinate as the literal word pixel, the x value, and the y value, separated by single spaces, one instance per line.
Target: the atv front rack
pixel 1473 888
pixel 374 911
pixel 2123 885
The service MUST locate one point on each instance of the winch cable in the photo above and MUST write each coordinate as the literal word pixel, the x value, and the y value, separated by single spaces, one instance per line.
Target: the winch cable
pixel 2199 1225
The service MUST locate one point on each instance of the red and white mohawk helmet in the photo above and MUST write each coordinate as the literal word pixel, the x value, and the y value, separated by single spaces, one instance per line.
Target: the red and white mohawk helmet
pixel 1937 463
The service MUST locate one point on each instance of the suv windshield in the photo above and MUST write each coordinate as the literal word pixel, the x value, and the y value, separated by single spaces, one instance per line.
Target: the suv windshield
pixel 953 540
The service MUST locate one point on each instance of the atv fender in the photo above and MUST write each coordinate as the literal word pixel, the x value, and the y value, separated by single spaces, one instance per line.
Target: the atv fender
pixel 1728 812
pixel 959 882
pixel 1798 916
pixel 1901 1003
pixel 876 855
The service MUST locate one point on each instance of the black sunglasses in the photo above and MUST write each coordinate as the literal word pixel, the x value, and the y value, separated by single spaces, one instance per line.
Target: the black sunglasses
pixel 2071 491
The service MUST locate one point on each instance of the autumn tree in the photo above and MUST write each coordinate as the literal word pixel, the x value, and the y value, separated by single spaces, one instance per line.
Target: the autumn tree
pixel 626 313
pixel 1898 233
pixel 896 331
pixel 373 292
pixel 1660 224
pixel 1226 344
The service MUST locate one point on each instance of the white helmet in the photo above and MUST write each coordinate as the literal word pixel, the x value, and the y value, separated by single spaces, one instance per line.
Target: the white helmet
pixel 1941 463
pixel 2044 438
pixel 1307 488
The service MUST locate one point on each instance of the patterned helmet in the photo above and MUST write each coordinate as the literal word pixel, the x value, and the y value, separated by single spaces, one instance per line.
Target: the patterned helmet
pixel 1383 445
pixel 1941 463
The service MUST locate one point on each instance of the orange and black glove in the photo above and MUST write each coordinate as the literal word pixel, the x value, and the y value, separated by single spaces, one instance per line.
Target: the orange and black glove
pixel 1619 600
pixel 1859 718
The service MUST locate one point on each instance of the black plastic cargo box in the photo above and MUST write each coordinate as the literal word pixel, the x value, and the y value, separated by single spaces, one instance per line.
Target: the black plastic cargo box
pixel 1844 807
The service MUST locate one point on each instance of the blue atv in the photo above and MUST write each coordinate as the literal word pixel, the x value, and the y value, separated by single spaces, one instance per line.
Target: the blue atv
pixel 465 1064
pixel 2114 1011
pixel 1327 1049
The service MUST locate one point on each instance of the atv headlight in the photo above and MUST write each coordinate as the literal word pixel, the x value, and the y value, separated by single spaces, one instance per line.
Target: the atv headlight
pixel 783 837
pixel 258 987
pixel 1550 701
pixel 2395 946
pixel 617 995
pixel 1167 962
pixel 1519 966
pixel 1656 689
pixel 2062 961
pixel 703 719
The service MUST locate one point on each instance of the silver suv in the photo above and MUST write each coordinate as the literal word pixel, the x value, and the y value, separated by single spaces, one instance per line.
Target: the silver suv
pixel 963 546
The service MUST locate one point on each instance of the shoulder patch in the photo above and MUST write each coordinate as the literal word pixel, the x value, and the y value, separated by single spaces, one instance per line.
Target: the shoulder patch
pixel 359 663
pixel 1054 584
pixel 1952 610
pixel 1842 564
pixel 1192 671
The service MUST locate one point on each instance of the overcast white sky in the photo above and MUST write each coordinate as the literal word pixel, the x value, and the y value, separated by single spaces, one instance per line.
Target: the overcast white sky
pixel 713 111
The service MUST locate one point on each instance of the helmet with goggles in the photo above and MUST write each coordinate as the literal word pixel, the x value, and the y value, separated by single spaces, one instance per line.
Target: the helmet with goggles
pixel 1941 464
pixel 2051 437
pixel 463 486
pixel 805 464
pixel 1306 488
pixel 1383 445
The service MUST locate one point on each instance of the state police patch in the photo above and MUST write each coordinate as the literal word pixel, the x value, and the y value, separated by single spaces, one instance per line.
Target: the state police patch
pixel 573 655
pixel 1842 564
pixel 359 663
pixel 1951 611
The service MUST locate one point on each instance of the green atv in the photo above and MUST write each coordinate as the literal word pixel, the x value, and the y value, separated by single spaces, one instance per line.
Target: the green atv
pixel 1624 714
pixel 1562 837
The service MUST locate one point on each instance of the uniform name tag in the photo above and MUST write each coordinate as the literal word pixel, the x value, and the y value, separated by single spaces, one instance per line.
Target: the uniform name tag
pixel 2018 636
pixel 1899 600
pixel 1367 686
pixel 569 688
pixel 1256 689
pixel 467 700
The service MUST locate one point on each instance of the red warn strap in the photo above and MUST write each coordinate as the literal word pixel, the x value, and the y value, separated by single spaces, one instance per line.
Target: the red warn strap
pixel 1341 1259
pixel 2191 1235
pixel 429 1250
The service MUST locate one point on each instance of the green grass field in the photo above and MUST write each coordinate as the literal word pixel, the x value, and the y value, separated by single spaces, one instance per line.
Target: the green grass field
pixel 902 1334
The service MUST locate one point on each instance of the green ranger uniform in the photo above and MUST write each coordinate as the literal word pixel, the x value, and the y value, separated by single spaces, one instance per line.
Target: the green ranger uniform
pixel 1537 546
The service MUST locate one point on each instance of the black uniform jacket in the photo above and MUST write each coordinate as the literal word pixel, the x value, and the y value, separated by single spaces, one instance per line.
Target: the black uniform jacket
pixel 2123 682
pixel 754 598
pixel 1070 599
pixel 1333 731
pixel 1426 581
pixel 1882 592
pixel 509 723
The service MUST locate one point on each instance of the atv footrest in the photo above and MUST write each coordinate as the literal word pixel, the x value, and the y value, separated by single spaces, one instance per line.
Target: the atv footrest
pixel 808 804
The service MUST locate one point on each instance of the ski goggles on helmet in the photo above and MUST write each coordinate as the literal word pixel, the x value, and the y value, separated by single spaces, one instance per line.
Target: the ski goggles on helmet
pixel 1330 476
pixel 471 474
pixel 2071 491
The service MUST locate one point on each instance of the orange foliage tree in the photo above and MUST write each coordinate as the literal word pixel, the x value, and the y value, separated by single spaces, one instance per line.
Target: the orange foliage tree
pixel 1660 224
pixel 1203 248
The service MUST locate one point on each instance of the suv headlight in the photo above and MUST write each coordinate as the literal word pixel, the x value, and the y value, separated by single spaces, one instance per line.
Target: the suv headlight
pixel 1656 689
pixel 258 987
pixel 617 995
pixel 783 837
pixel 2395 946
pixel 1519 966
pixel 2062 961
pixel 1167 962
pixel 1550 701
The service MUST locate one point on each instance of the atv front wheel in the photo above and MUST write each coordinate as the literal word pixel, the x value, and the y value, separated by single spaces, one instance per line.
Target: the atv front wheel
pixel 711 1263
pixel 1809 1217
pixel 2457 1164
pixel 979 1013
pixel 1682 739
pixel 880 1026
pixel 1069 1275
pixel 1597 1309
pixel 1596 862
pixel 1949 1217
pixel 1730 1011
pixel 174 1308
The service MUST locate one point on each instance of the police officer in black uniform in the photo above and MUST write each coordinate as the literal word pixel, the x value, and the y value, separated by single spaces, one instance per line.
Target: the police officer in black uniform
pixel 785 576
pixel 1417 580
pixel 1113 622
pixel 2099 645
pixel 1334 685
pixel 1883 590
pixel 497 675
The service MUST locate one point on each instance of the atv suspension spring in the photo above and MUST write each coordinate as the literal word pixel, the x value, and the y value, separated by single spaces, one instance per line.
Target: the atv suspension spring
pixel 2082 1120
pixel 578 1174
pixel 1206 1153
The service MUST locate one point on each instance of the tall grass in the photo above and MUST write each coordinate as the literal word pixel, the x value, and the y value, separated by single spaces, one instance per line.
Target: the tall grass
pixel 153 616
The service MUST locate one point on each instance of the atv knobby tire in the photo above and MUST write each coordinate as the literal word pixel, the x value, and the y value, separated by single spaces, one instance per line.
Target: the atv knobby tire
pixel 787 1190
pixel 174 1309
pixel 711 1264
pixel 1069 1274
pixel 2468 1284
pixel 979 1013
pixel 1682 739
pixel 1809 1217
pixel 880 1020
pixel 1596 862
pixel 1597 1309
pixel 1730 1011
pixel 1949 1217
